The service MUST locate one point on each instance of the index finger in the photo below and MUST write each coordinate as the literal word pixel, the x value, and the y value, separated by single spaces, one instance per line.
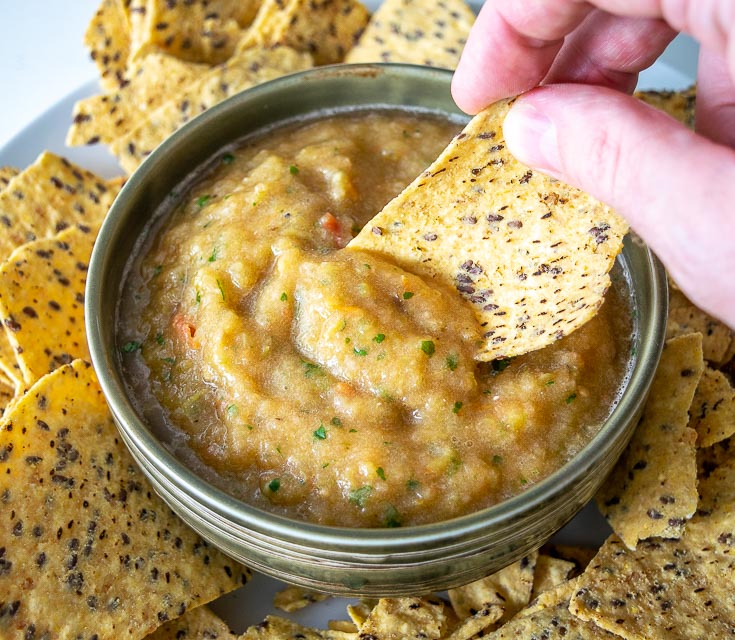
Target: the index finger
pixel 512 47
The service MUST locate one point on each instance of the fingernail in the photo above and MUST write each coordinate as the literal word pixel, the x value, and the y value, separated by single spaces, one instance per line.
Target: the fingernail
pixel 531 137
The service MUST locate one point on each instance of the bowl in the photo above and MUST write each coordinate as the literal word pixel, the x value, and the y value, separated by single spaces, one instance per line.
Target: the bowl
pixel 339 560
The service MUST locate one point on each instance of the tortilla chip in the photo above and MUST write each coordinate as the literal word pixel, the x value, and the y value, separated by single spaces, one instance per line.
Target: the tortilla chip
pixel 652 490
pixel 275 628
pixel 7 393
pixel 550 622
pixel 326 29
pixel 529 254
pixel 580 556
pixel 245 70
pixel 502 594
pixel 108 40
pixel 713 527
pixel 194 30
pixel 685 317
pixel 678 104
pixel 710 458
pixel 403 618
pixel 153 81
pixel 550 573
pixel 415 31
pixel 664 589
pixel 49 196
pixel 196 624
pixel 87 546
pixel 293 598
pixel 6 173
pixel 42 300
pixel 713 408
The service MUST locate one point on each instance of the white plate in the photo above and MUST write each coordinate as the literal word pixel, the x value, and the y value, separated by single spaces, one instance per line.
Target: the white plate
pixel 249 605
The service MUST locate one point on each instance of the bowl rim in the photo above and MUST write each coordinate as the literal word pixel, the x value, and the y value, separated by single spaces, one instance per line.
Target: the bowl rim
pixel 303 533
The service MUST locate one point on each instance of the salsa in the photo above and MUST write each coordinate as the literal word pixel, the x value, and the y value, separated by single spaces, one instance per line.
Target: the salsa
pixel 329 385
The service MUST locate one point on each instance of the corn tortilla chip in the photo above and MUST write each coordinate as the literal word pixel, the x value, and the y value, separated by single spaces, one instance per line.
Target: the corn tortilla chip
pixel 415 31
pixel 680 105
pixel 194 30
pixel 326 29
pixel 529 254
pixel 404 618
pixel 153 80
pixel 49 196
pixel 42 300
pixel 276 628
pixel 501 594
pixel 710 458
pixel 7 393
pixel 580 556
pixel 108 40
pixel 713 409
pixel 87 548
pixel 652 490
pixel 196 624
pixel 684 317
pixel 245 70
pixel 550 573
pixel 293 598
pixel 663 590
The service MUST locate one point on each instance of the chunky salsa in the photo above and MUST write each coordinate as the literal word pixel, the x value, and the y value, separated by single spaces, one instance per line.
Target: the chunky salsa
pixel 329 385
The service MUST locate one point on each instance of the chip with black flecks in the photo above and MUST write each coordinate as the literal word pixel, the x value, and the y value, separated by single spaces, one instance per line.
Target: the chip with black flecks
pixel 87 548
pixel 530 255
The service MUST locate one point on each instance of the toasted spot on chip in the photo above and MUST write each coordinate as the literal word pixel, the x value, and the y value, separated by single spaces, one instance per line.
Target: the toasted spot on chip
pixel 87 545
pixel 42 300
pixel 713 409
pixel 652 490
pixel 534 264
pixel 415 31
pixel 665 588
pixel 243 70
pixel 326 29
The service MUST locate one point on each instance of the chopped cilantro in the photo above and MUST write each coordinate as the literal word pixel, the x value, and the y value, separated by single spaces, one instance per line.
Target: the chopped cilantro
pixel 412 485
pixel 381 473
pixel 549 382
pixel 274 485
pixel 227 158
pixel 202 201
pixel 231 410
pixel 501 364
pixel 213 255
pixel 379 338
pixel 169 360
pixel 428 347
pixel 284 297
pixel 497 459
pixel 571 398
pixel 360 496
pixel 457 406
pixel 335 422
pixel 157 269
pixel 353 431
pixel 360 352
pixel 159 338
pixel 311 369
pixel 293 169
pixel 221 288
pixel 131 346
pixel 452 361
pixel 198 297
pixel 392 517
pixel 320 433
pixel 407 295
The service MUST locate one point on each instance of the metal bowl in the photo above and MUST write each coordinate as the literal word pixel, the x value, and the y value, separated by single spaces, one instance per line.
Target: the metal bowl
pixel 369 562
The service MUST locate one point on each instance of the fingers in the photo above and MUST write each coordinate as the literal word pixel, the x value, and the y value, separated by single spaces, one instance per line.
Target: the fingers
pixel 515 43
pixel 715 98
pixel 675 188
pixel 610 51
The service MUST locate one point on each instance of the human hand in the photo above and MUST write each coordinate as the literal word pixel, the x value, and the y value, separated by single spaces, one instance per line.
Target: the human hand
pixel 675 187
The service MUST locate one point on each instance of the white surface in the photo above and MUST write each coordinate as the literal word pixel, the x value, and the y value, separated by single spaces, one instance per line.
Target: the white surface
pixel 46 69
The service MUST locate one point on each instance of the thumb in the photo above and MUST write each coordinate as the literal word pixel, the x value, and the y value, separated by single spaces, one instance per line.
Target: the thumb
pixel 675 188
